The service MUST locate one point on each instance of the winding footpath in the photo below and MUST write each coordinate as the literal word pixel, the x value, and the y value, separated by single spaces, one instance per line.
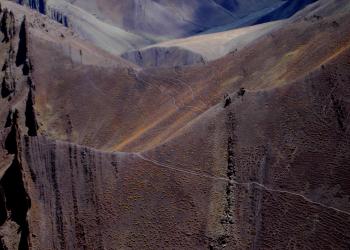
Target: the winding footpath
pixel 247 184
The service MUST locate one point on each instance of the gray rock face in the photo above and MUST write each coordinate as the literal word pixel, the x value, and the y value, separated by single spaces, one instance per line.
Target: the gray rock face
pixel 163 57
pixel 39 5
pixel 59 17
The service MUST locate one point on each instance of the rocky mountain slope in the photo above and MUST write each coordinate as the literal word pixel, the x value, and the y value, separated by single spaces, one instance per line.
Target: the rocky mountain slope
pixel 248 151
pixel 180 18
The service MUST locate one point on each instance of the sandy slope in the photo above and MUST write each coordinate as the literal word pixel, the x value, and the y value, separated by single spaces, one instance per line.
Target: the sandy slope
pixel 200 48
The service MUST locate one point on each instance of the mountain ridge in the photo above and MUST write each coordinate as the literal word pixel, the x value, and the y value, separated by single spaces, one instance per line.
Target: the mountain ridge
pixel 109 27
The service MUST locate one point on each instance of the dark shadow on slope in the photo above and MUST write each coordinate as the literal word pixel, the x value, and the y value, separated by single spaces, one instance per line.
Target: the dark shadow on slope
pixel 288 9
pixel 274 12
pixel 230 5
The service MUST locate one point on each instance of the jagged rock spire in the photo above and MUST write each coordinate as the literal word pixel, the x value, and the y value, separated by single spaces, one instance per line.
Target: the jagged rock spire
pixel 22 52
pixel 31 122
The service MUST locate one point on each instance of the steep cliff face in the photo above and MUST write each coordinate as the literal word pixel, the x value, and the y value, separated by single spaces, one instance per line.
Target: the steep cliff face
pixel 15 201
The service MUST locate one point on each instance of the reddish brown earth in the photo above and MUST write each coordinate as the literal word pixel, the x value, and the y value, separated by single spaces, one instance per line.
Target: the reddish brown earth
pixel 128 158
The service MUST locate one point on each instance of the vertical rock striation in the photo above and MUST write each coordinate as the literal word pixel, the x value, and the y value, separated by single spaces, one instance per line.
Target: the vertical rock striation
pixel 39 5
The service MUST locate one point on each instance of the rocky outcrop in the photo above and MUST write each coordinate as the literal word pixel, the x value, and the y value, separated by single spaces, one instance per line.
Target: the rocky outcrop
pixel 9 119
pixel 227 220
pixel 14 199
pixel 22 52
pixel 39 5
pixel 8 85
pixel 7 25
pixel 27 67
pixel 4 26
pixel 31 122
pixel 59 16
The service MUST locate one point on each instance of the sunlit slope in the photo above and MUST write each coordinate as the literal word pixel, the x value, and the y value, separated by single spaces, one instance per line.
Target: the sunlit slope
pixel 200 48
pixel 137 110
pixel 106 36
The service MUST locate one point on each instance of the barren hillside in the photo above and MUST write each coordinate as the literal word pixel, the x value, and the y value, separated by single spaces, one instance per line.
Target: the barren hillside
pixel 245 147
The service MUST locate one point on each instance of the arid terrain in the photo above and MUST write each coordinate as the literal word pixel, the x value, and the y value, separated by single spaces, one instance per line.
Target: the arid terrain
pixel 124 124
